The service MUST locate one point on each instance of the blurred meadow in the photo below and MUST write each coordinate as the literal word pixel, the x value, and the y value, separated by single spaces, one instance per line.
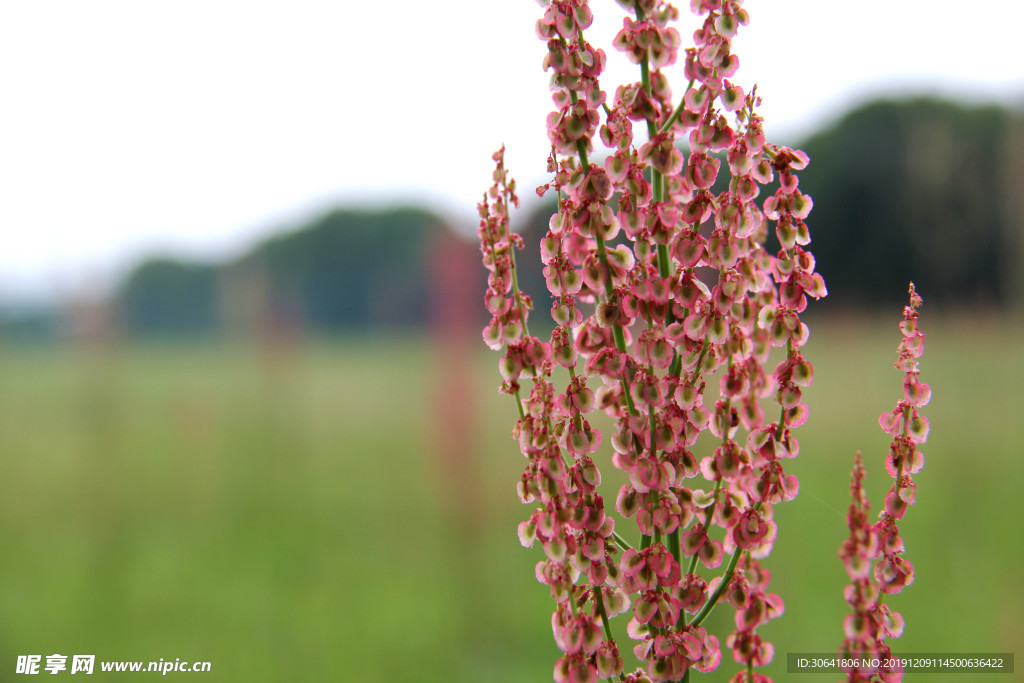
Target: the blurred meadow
pixel 344 508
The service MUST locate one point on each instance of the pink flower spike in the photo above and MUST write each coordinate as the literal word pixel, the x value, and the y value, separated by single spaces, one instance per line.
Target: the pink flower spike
pixel 673 304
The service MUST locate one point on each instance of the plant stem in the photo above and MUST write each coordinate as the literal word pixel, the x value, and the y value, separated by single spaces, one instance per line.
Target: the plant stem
pixel 673 546
pixel 599 602
pixel 713 600
pixel 707 520
pixel 676 112
pixel 620 541
pixel 519 404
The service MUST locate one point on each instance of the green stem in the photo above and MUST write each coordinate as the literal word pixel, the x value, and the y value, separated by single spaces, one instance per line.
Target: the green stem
pixel 581 147
pixel 519 404
pixel 652 425
pixel 620 336
pixel 707 520
pixel 645 78
pixel 645 68
pixel 713 600
pixel 780 429
pixel 676 112
pixel 599 602
pixel 630 405
pixel 726 578
pixel 782 424
pixel 665 270
pixel 906 436
pixel 673 546
pixel 620 541
pixel 700 359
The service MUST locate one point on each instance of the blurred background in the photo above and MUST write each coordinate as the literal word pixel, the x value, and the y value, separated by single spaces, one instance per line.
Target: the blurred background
pixel 246 415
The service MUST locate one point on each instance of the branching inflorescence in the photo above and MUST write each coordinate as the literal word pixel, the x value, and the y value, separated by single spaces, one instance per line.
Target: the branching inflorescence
pixel 668 306
pixel 872 621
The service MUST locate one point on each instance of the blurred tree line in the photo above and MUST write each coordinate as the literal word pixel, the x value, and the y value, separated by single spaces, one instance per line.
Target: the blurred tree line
pixel 924 190
pixel 345 270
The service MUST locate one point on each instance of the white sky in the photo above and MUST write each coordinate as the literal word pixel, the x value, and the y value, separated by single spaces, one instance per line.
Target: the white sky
pixel 199 126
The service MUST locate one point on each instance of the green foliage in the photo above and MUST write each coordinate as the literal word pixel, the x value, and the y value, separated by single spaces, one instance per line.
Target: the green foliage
pixel 346 270
pixel 163 296
pixel 920 190
pixel 352 269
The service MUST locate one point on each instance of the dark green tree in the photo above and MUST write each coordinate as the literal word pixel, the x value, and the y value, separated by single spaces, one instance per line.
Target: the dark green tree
pixel 916 190
pixel 164 296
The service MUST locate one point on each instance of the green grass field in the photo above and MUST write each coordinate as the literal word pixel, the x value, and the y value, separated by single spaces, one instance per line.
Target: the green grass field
pixel 318 515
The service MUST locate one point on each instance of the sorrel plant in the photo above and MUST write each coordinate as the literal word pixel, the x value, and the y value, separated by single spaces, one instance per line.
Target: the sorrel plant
pixel 871 620
pixel 663 285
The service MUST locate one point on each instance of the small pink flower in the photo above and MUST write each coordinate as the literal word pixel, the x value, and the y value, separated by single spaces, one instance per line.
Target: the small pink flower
pixel 607 661
pixel 893 573
pixel 747 647
pixel 692 592
pixel 890 422
pixel 695 540
pixel 575 669
pixel 751 529
pixel 916 392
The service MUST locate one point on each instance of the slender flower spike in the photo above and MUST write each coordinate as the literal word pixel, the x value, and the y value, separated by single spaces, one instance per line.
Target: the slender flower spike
pixel 661 285
pixel 871 621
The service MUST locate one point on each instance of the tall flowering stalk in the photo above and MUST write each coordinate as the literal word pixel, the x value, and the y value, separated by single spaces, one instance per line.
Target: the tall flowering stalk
pixel 872 621
pixel 662 287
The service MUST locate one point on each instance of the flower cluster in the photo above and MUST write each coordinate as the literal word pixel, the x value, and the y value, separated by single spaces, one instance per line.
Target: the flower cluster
pixel 667 307
pixel 506 304
pixel 871 621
